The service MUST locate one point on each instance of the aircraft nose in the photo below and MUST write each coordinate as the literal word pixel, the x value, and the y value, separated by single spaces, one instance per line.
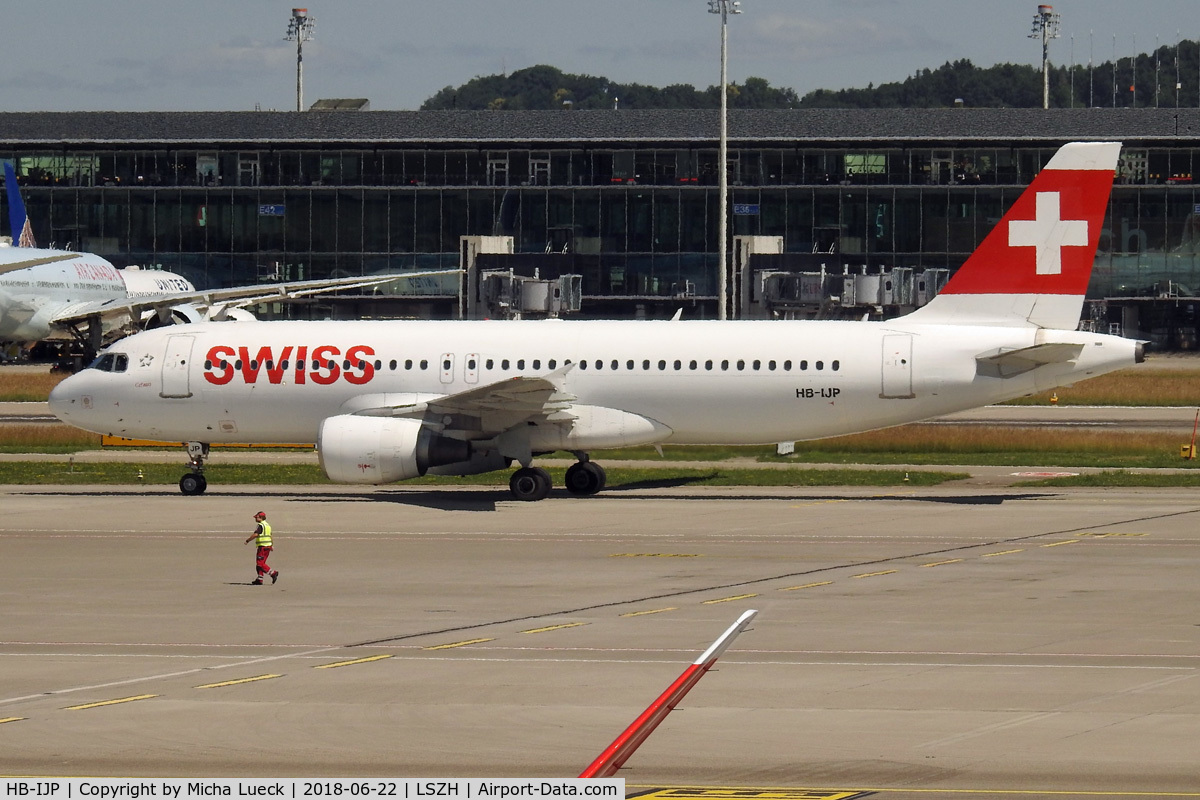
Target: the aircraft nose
pixel 66 401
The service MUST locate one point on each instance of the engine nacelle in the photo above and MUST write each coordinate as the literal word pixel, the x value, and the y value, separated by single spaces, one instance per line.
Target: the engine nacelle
pixel 182 314
pixel 356 449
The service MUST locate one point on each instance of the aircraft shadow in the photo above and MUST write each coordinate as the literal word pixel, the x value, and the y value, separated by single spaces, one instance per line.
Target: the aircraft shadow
pixel 486 499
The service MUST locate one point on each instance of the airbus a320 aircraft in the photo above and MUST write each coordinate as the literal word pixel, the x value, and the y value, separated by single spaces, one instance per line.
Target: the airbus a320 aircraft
pixel 387 401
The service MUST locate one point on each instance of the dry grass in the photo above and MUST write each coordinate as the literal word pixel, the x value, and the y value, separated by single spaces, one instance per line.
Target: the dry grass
pixel 27 385
pixel 1129 387
pixel 43 437
pixel 920 438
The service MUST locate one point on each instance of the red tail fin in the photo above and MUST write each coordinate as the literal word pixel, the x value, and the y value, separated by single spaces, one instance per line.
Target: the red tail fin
pixel 1034 267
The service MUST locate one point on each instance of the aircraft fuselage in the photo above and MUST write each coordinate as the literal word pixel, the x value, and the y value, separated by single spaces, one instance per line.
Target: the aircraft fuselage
pixel 701 381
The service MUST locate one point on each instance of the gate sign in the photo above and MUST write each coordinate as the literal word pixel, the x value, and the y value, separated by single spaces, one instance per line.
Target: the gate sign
pixel 271 210
pixel 746 209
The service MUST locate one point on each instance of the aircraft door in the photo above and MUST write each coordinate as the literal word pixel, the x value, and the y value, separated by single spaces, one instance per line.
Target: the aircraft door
pixel 176 367
pixel 471 368
pixel 897 366
pixel 447 365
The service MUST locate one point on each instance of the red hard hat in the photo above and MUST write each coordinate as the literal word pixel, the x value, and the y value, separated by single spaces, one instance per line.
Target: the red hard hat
pixel 261 515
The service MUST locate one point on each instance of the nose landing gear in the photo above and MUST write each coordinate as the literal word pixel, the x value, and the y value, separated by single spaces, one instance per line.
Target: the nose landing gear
pixel 194 482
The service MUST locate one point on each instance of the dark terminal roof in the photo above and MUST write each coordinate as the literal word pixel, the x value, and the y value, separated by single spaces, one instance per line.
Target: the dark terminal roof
pixel 879 127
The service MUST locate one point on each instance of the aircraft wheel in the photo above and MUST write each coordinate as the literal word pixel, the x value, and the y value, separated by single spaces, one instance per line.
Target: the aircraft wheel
pixel 585 478
pixel 193 484
pixel 529 483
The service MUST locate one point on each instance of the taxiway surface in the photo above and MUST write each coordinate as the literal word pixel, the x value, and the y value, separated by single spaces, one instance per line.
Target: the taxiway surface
pixel 930 642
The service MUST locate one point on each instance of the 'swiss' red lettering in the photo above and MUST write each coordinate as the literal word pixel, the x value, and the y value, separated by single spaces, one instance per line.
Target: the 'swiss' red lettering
pixel 217 369
pixel 250 366
pixel 326 370
pixel 275 367
pixel 360 353
pixel 220 369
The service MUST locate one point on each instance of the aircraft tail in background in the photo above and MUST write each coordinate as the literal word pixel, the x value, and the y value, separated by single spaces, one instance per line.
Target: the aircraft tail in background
pixel 22 231
pixel 1033 268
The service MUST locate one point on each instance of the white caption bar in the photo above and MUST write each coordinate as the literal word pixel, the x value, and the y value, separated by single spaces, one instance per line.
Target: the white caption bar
pixel 306 788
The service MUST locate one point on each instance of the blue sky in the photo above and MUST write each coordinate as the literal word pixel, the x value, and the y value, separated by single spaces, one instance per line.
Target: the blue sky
pixel 215 55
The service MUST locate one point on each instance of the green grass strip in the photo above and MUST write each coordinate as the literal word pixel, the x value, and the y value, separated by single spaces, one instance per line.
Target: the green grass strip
pixel 42 472
pixel 1118 477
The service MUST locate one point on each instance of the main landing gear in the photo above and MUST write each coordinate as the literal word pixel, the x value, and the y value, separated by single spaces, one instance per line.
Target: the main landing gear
pixel 583 478
pixel 194 482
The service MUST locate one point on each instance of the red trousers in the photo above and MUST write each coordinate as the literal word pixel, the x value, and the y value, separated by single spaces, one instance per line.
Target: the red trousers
pixel 260 561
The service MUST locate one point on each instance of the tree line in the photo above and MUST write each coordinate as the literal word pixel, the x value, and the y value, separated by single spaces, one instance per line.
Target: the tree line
pixel 1145 80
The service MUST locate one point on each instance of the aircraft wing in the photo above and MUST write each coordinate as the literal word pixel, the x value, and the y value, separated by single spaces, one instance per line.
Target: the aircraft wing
pixel 215 302
pixel 490 410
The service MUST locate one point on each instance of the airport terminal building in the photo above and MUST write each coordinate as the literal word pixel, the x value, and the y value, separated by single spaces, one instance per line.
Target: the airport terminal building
pixel 606 213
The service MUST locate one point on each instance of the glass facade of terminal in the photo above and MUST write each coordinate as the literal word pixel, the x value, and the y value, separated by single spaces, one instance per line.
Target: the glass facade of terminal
pixel 646 218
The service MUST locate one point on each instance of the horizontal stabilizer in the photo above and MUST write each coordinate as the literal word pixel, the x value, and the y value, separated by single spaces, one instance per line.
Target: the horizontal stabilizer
pixel 617 753
pixel 1008 363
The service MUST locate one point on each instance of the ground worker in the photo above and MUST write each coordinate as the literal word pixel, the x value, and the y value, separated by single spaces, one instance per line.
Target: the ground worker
pixel 262 532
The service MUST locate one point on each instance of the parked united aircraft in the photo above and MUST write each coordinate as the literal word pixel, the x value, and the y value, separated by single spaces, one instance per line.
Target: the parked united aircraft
pixel 386 401
pixel 48 295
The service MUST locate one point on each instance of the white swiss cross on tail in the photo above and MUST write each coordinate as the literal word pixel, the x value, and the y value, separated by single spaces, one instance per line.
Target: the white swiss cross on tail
pixel 1059 215
pixel 1049 233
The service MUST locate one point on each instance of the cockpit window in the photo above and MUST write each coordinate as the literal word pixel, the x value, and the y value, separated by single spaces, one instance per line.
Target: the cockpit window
pixel 111 362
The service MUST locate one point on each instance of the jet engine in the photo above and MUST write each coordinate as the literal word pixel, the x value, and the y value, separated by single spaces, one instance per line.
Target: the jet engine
pixel 358 449
pixel 185 313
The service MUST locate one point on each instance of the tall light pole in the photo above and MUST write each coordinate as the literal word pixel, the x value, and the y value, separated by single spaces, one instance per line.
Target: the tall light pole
pixel 1045 27
pixel 724 8
pixel 300 30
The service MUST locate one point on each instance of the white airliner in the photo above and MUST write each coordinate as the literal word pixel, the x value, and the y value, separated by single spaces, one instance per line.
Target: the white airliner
pixel 386 401
pixel 48 295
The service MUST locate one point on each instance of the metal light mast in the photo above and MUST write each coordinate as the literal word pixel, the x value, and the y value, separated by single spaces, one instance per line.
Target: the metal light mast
pixel 1045 27
pixel 724 8
pixel 300 30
